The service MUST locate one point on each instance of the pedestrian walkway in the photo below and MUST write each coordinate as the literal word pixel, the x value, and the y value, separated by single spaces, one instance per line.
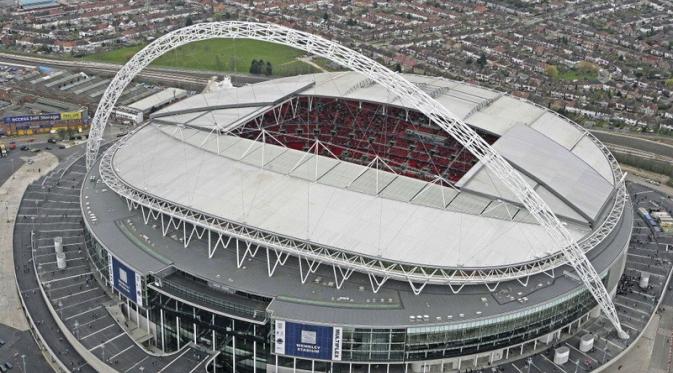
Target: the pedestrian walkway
pixel 10 197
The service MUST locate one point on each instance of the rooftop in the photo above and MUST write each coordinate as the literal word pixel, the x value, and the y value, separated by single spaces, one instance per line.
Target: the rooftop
pixel 319 301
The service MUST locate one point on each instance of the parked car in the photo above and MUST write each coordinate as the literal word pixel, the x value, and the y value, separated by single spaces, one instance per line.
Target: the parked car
pixel 25 148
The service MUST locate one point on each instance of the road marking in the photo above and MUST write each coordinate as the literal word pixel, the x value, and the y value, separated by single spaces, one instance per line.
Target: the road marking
pixel 136 364
pixel 74 294
pixel 64 278
pixel 174 360
pixel 122 351
pixel 107 341
pixel 67 260
pixel 98 331
pixel 573 347
pixel 199 364
pixel 83 312
pixel 553 363
pixel 80 303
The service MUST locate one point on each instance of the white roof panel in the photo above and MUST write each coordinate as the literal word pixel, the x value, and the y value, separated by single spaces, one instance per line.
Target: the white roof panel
pixel 557 129
pixel 594 157
pixel 553 166
pixel 503 114
pixel 159 163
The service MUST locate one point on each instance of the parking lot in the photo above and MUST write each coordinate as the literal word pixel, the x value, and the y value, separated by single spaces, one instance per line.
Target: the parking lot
pixel 50 208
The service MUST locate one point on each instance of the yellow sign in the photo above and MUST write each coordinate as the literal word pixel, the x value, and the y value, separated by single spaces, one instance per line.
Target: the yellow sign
pixel 71 115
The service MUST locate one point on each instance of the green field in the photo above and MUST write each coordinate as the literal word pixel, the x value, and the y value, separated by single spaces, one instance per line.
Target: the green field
pixel 226 55
pixel 575 74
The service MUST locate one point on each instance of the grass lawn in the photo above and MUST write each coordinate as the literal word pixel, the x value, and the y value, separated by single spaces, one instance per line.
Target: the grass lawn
pixel 226 55
pixel 575 74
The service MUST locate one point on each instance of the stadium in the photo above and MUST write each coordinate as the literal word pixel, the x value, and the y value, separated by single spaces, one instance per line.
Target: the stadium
pixel 331 222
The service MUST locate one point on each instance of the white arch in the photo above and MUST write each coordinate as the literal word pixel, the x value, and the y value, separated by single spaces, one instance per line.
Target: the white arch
pixel 407 91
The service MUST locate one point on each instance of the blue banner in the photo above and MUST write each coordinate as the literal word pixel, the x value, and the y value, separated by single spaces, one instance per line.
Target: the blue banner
pixel 123 279
pixel 32 118
pixel 310 341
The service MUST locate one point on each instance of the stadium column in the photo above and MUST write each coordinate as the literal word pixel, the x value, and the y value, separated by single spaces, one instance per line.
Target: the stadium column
pixel 177 325
pixel 233 345
pixel 254 348
pixel 161 319
pixel 212 322
pixel 194 323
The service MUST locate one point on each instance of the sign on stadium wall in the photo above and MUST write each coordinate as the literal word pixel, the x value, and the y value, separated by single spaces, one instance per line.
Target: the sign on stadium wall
pixel 51 117
pixel 308 341
pixel 125 280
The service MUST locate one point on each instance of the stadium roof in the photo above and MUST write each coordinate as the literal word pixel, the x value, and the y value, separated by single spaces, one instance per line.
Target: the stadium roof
pixel 158 99
pixel 414 222
pixel 144 249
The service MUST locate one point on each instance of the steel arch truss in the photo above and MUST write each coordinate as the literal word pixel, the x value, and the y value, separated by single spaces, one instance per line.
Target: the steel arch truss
pixel 397 85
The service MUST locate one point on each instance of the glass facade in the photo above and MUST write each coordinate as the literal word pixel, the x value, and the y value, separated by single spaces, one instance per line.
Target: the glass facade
pixel 433 342
pixel 180 315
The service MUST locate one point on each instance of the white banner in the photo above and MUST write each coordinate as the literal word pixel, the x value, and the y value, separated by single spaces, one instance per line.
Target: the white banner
pixel 110 270
pixel 279 339
pixel 139 292
pixel 337 337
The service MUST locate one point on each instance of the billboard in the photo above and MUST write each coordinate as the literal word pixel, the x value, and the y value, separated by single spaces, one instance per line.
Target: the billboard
pixel 50 117
pixel 125 280
pixel 32 118
pixel 71 115
pixel 309 341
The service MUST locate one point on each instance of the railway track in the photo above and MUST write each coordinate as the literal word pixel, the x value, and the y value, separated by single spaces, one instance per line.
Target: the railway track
pixel 152 73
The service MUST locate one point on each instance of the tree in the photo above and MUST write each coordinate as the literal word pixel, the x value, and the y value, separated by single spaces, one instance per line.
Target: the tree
pixel 253 67
pixel 669 83
pixel 551 71
pixel 189 21
pixel 586 67
pixel 397 68
pixel 325 17
pixel 482 61
pixel 269 69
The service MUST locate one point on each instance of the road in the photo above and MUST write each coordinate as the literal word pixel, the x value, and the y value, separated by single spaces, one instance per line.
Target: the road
pixel 636 143
pixel 161 74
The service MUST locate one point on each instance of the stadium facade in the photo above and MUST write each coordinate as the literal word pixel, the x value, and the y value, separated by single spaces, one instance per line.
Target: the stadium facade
pixel 322 223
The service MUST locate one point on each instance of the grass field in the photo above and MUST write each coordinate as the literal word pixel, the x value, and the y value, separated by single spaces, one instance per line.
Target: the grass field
pixel 226 55
pixel 575 74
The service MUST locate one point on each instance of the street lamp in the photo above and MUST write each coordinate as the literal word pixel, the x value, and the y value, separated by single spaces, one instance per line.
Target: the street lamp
pixel 23 362
pixel 77 329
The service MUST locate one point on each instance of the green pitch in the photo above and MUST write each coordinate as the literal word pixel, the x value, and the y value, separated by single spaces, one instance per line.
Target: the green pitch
pixel 226 55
